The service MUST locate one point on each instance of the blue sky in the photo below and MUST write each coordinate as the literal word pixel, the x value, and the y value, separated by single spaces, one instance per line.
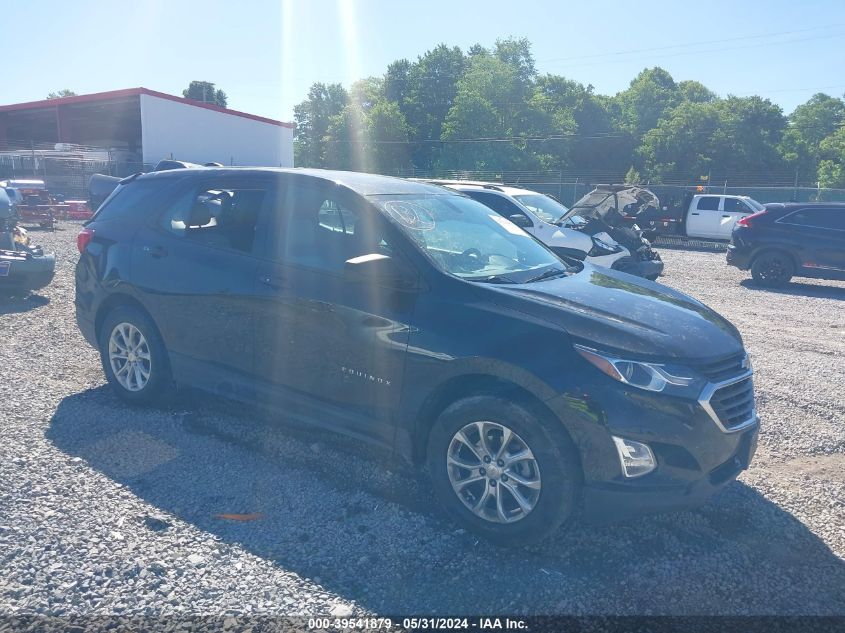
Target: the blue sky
pixel 266 53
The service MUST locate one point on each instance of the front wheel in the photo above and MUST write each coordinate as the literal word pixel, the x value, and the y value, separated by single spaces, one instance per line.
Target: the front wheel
pixel 772 268
pixel 134 357
pixel 503 471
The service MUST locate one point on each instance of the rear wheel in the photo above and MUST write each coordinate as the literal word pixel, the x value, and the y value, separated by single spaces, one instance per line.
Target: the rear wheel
pixel 134 357
pixel 503 471
pixel 772 268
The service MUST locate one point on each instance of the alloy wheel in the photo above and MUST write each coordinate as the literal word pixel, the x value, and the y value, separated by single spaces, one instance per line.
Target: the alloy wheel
pixel 129 357
pixel 493 471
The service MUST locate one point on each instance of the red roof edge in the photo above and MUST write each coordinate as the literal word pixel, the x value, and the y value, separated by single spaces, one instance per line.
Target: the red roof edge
pixel 133 92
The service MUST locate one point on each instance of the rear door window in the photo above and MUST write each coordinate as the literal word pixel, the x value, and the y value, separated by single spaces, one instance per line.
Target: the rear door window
pixel 222 215
pixel 137 196
pixel 708 203
pixel 735 205
pixel 818 218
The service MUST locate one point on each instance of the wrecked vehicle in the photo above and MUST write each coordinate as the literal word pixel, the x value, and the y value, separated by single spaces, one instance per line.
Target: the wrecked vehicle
pixel 537 215
pixel 603 212
pixel 23 267
pixel 33 203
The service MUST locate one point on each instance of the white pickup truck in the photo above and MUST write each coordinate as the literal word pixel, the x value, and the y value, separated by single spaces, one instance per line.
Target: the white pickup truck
pixel 704 215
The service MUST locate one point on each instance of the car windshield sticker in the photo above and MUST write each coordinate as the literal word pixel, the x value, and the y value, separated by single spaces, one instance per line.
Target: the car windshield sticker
pixel 410 214
pixel 506 224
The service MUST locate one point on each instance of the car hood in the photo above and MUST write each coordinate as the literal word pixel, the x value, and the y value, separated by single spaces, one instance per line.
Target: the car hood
pixel 620 313
pixel 608 203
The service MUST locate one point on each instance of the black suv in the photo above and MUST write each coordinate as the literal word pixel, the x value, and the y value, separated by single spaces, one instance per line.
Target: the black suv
pixel 791 240
pixel 412 316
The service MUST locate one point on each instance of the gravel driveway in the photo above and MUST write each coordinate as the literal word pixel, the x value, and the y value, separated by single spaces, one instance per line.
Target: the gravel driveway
pixel 106 509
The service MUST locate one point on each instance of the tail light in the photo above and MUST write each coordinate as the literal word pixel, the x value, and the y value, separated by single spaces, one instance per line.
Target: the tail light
pixel 83 239
pixel 746 221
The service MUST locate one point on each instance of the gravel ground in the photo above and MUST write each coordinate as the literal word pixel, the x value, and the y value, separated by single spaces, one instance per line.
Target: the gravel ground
pixel 106 509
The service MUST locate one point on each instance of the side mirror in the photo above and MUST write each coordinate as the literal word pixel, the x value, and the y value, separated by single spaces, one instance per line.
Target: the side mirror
pixel 380 269
pixel 520 220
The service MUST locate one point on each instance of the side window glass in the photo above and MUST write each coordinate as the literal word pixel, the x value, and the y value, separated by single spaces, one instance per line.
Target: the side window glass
pixel 219 217
pixel 708 203
pixel 324 233
pixel 499 204
pixel 733 205
pixel 139 196
pixel 819 218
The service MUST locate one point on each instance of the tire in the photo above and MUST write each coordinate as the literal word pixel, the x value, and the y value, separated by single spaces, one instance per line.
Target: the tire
pixel 150 357
pixel 555 466
pixel 652 277
pixel 772 268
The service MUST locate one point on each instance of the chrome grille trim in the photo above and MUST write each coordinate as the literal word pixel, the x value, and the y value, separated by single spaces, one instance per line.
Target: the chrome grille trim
pixel 711 388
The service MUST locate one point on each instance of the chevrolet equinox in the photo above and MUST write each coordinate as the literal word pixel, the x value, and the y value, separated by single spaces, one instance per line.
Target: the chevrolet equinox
pixel 414 317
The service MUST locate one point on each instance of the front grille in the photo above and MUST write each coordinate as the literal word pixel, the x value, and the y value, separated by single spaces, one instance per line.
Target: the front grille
pixel 734 404
pixel 722 369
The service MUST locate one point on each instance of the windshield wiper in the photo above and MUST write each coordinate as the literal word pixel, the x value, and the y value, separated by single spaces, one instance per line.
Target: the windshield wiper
pixel 492 279
pixel 548 274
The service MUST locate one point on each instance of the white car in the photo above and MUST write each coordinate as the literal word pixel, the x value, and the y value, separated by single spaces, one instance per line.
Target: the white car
pixel 544 218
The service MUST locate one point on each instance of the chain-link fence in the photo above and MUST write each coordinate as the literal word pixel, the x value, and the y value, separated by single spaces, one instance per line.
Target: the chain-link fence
pixel 570 186
pixel 64 168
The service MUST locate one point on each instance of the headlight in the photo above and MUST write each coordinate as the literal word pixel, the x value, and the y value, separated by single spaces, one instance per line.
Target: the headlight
pixel 600 247
pixel 649 376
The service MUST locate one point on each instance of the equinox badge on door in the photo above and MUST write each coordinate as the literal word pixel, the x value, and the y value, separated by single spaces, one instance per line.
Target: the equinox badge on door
pixel 357 373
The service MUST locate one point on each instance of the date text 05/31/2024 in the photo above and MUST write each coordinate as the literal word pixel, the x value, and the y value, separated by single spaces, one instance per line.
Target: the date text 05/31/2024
pixel 419 624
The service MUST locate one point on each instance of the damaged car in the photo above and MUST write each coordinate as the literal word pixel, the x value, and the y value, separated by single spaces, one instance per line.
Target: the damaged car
pixel 570 233
pixel 604 212
pixel 23 266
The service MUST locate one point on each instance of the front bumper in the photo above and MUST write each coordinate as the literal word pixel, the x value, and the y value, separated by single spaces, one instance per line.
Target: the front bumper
pixel 695 457
pixel 613 500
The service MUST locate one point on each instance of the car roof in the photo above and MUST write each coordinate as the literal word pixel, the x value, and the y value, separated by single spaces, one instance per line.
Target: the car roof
pixel 473 185
pixel 792 206
pixel 359 182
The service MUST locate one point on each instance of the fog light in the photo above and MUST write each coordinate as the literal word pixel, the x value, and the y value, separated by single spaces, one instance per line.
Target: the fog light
pixel 636 458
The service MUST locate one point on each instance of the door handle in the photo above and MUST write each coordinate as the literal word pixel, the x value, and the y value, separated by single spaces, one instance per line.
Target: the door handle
pixel 726 216
pixel 694 213
pixel 155 251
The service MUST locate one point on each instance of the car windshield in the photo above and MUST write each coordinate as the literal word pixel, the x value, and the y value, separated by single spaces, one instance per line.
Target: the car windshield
pixel 466 239
pixel 544 207
pixel 755 205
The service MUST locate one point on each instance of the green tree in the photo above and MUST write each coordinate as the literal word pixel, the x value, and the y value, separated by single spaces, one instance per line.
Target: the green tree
pixel 751 129
pixel 489 108
pixel 683 142
pixel 831 171
pixel 65 92
pixel 650 96
pixel 632 177
pixel 206 92
pixel 808 125
pixel 345 141
pixel 695 91
pixel 396 82
pixel 432 87
pixel 388 135
pixel 313 118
